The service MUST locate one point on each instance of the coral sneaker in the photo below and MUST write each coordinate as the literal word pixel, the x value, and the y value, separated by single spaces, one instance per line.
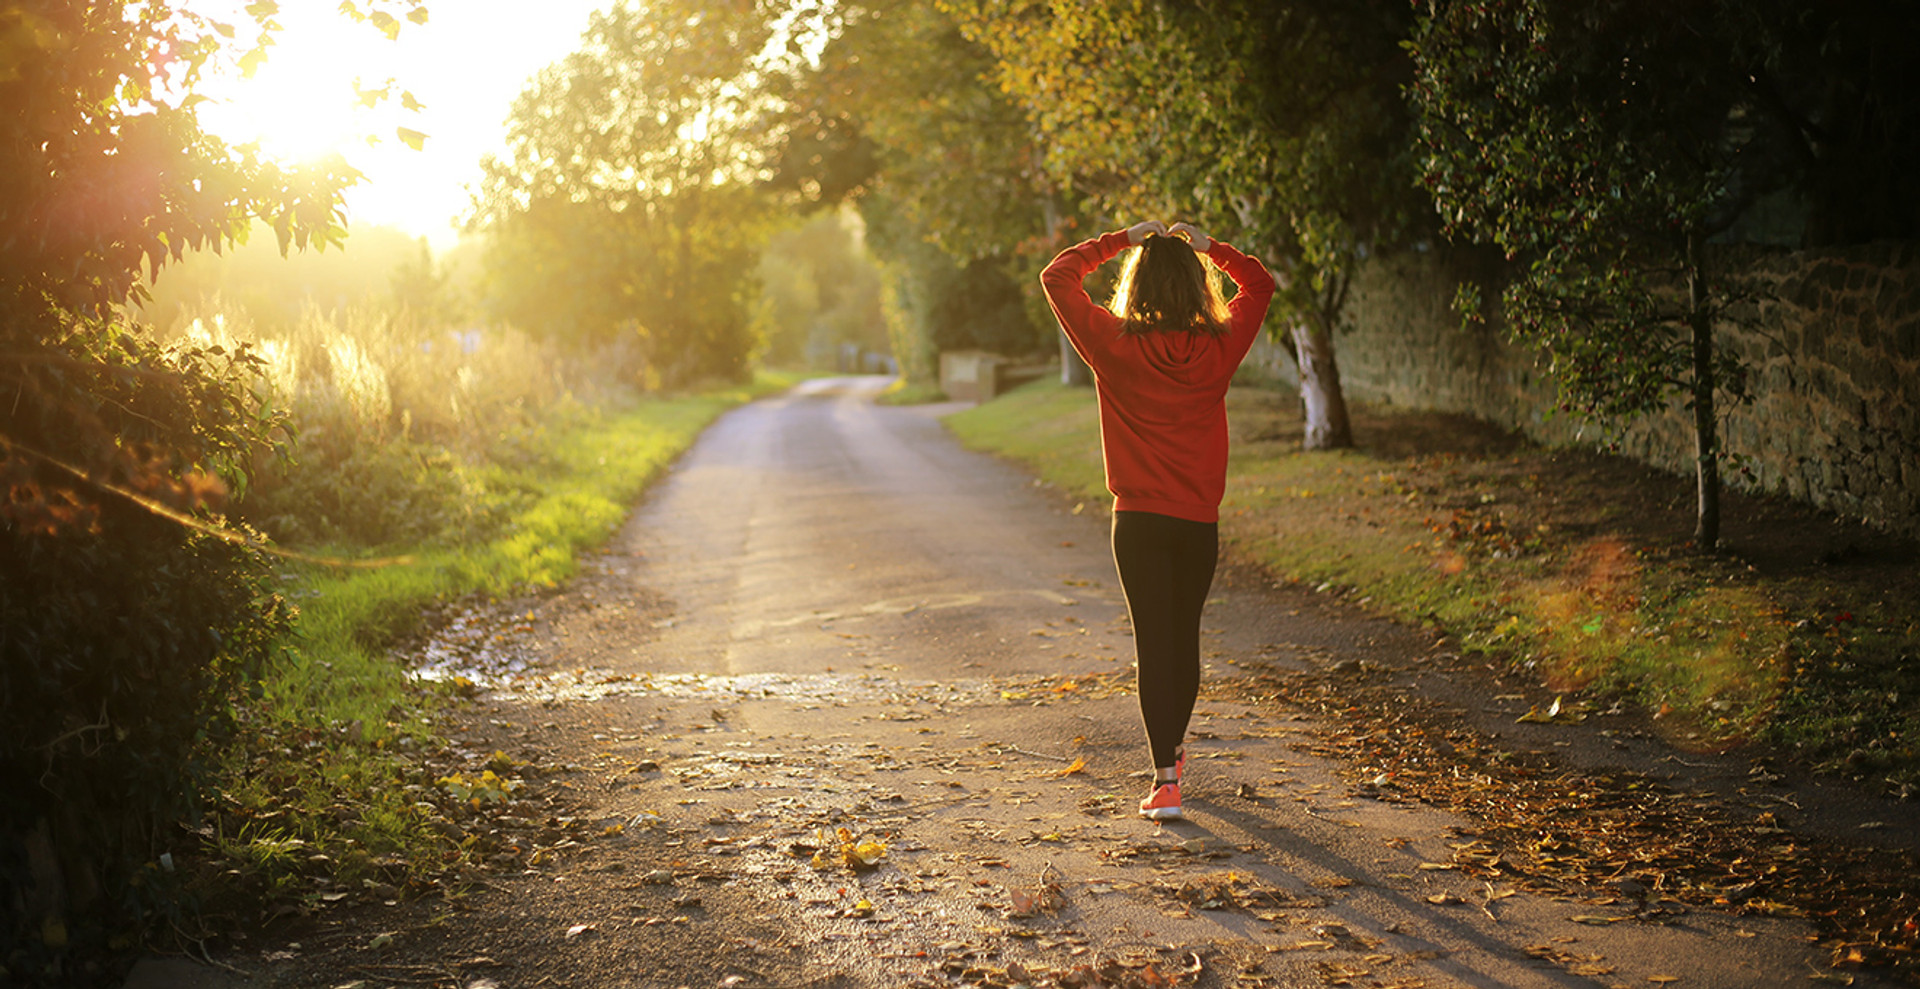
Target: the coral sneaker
pixel 1163 804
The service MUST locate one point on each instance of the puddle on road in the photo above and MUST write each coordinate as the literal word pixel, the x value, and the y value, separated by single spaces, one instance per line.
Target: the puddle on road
pixel 483 645
pixel 590 684
pixel 498 665
pixel 488 647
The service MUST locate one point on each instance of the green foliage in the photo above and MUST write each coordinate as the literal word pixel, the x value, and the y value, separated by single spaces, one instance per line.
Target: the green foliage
pixel 898 112
pixel 1576 146
pixel 127 633
pixel 956 159
pixel 132 613
pixel 819 288
pixel 938 302
pixel 1277 126
pixel 402 432
pixel 111 173
pixel 1604 145
pixel 125 649
pixel 628 199
pixel 1601 147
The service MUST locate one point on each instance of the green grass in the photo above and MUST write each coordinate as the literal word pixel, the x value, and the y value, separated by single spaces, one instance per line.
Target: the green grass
pixel 1472 545
pixel 903 393
pixel 585 487
pixel 1052 429
pixel 320 764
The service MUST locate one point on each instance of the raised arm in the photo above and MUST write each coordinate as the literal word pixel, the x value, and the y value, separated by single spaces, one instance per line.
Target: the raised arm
pixel 1248 274
pixel 1248 308
pixel 1064 281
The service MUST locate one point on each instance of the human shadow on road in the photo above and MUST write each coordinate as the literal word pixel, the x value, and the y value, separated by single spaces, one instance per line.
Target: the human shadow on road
pixel 1451 944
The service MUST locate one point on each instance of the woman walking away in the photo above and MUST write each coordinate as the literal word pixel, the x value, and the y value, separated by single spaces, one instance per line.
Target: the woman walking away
pixel 1161 361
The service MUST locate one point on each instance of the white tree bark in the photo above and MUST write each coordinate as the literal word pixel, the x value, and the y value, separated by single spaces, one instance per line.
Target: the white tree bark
pixel 1321 400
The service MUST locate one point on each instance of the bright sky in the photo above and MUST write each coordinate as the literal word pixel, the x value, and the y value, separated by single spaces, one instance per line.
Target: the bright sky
pixel 466 65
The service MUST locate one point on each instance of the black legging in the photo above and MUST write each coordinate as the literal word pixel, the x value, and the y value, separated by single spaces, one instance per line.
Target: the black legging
pixel 1166 567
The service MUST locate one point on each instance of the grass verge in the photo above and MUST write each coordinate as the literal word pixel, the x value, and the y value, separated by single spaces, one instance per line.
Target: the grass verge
pixel 903 393
pixel 1803 634
pixel 327 795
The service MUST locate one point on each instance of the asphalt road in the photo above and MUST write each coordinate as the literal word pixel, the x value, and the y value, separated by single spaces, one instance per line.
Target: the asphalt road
pixel 832 616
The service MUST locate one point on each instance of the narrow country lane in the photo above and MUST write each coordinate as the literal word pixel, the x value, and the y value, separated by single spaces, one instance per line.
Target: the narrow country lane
pixel 830 616
pixel 817 531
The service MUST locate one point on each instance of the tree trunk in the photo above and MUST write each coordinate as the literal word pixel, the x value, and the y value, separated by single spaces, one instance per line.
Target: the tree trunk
pixel 1320 396
pixel 1073 370
pixel 1706 439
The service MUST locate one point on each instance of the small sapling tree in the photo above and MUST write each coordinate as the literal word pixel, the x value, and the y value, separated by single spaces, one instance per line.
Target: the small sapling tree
pixel 1600 146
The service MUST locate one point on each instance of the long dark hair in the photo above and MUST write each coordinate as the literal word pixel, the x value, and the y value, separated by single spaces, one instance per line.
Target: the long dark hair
pixel 1164 287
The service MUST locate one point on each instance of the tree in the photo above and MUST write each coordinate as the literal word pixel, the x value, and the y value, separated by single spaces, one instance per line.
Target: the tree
pixel 897 115
pixel 132 611
pixel 1277 125
pixel 819 290
pixel 631 188
pixel 1603 146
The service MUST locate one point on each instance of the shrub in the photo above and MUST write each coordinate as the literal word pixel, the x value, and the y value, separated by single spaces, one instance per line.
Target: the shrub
pixel 129 620
pixel 400 427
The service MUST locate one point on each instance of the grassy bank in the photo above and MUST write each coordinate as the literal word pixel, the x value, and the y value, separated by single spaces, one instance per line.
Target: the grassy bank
pixel 329 789
pixel 1803 634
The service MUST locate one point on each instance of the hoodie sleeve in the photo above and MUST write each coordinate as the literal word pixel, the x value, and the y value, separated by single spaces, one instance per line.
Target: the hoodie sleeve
pixel 1088 325
pixel 1249 307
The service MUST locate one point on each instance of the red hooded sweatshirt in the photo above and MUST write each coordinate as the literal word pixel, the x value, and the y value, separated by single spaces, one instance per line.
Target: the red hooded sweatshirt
pixel 1163 411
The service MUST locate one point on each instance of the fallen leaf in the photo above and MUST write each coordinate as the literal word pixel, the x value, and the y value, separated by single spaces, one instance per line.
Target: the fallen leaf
pixel 1076 766
pixel 579 929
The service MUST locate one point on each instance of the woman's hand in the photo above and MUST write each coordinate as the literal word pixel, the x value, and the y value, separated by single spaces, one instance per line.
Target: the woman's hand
pixel 1195 236
pixel 1139 231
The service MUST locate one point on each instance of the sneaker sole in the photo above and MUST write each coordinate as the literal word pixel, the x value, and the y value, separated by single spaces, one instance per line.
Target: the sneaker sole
pixel 1162 814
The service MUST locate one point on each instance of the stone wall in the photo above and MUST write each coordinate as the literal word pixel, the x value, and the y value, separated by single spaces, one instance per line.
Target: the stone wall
pixel 1832 345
